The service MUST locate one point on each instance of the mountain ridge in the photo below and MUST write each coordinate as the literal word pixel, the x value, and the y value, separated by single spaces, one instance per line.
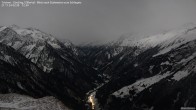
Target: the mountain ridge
pixel 122 74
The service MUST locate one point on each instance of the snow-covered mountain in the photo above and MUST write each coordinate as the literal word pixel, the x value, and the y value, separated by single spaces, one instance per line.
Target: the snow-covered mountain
pixel 153 72
pixel 33 44
pixel 61 71
pixel 172 83
pixel 160 64
pixel 19 75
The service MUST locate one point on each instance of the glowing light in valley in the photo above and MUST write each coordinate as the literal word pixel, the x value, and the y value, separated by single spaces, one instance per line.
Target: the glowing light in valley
pixel 91 100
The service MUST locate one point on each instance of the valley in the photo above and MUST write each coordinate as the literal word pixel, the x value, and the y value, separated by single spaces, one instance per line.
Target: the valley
pixel 152 73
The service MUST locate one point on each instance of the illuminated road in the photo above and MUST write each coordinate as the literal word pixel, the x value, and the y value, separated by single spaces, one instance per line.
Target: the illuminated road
pixel 91 100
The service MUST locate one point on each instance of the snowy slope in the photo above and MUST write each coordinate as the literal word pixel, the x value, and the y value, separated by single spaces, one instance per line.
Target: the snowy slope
pixel 32 43
pixel 165 65
pixel 140 85
pixel 166 41
pixel 145 83
pixel 22 102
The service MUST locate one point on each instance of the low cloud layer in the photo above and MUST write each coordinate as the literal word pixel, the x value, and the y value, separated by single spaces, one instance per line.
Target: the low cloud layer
pixel 102 19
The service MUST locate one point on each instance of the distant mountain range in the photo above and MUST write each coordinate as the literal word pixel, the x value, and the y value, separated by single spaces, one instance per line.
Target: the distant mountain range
pixel 151 73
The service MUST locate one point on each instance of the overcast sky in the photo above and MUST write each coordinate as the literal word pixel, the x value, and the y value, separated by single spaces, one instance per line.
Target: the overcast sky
pixel 100 19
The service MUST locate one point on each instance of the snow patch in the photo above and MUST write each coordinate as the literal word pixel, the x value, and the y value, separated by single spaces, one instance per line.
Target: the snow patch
pixel 180 75
pixel 19 85
pixel 2 28
pixel 140 85
pixel 54 45
pixel 166 63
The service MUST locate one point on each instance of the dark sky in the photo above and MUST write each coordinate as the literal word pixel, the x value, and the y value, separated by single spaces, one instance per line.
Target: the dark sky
pixel 101 19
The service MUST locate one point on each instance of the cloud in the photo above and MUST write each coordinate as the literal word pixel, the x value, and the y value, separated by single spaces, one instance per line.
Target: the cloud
pixel 101 19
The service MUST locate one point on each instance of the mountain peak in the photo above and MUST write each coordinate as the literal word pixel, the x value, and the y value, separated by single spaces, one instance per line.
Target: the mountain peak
pixel 189 25
pixel 14 26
